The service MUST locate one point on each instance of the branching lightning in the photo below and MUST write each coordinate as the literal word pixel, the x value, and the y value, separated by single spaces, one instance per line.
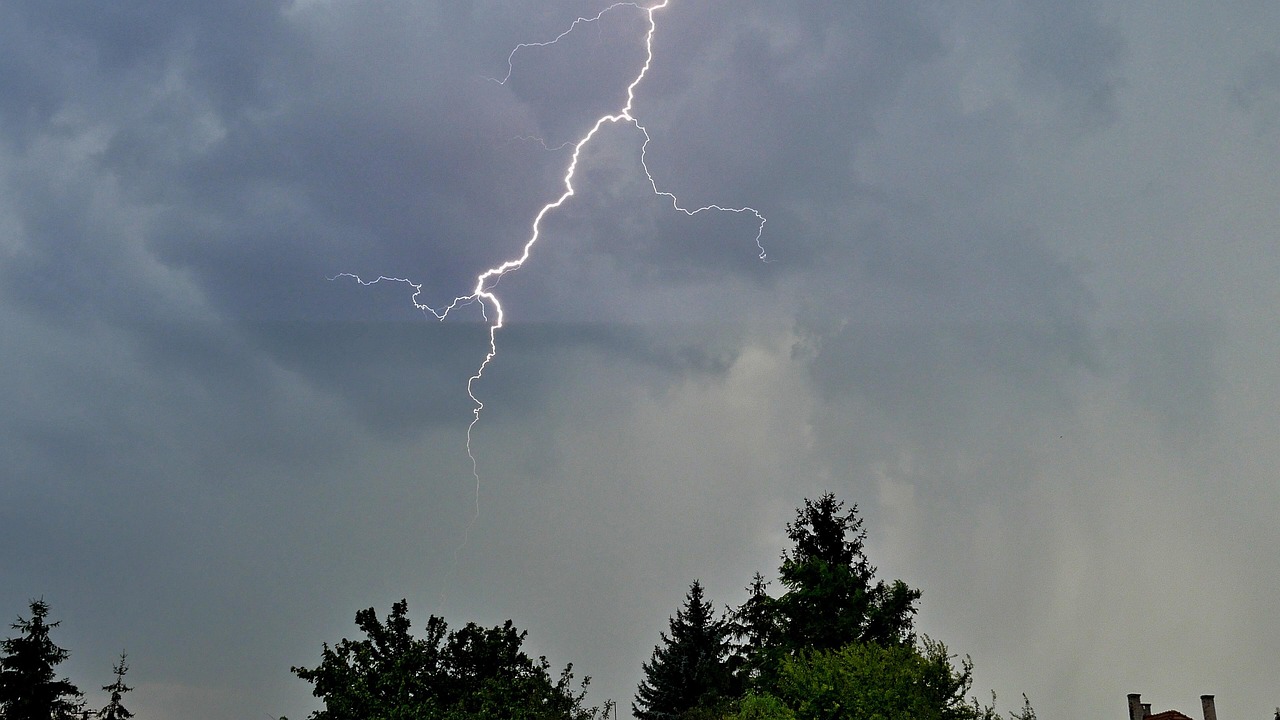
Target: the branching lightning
pixel 483 292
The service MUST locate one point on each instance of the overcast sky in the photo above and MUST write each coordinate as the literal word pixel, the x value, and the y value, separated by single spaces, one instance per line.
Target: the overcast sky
pixel 1021 308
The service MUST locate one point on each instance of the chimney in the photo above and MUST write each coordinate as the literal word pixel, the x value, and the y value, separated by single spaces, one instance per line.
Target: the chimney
pixel 1146 710
pixel 1135 706
pixel 1206 702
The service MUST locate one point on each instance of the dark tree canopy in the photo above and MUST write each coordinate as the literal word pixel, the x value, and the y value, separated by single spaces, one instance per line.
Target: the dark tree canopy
pixel 837 643
pixel 690 668
pixel 471 673
pixel 754 626
pixel 832 598
pixel 29 689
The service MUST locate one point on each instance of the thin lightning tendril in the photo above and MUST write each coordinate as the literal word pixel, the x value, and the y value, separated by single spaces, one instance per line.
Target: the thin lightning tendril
pixel 573 26
pixel 483 292
pixel 543 143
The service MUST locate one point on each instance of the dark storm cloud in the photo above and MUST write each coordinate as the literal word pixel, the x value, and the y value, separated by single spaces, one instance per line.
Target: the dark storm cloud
pixel 995 236
pixel 106 72
pixel 399 376
pixel 818 58
pixel 775 107
pixel 76 52
pixel 1070 52
pixel 940 270
pixel 1258 90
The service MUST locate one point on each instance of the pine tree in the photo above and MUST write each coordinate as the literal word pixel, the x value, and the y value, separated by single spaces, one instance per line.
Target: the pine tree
pixel 114 709
pixel 831 599
pixel 754 626
pixel 28 688
pixel 690 669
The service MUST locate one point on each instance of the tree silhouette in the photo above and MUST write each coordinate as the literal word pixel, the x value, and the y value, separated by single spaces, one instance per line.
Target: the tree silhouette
pixel 29 689
pixel 756 631
pixel 690 668
pixel 831 596
pixel 471 673
pixel 837 643
pixel 114 709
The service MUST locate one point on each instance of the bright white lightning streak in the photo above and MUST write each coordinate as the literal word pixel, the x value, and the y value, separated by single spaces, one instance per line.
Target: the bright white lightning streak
pixel 483 293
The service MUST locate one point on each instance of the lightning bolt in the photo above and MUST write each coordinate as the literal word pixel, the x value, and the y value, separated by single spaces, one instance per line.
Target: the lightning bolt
pixel 483 292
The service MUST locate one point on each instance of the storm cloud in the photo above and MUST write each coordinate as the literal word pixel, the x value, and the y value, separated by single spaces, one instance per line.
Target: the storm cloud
pixel 1020 308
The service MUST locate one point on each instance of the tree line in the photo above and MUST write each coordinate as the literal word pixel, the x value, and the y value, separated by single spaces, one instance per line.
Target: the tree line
pixel 834 643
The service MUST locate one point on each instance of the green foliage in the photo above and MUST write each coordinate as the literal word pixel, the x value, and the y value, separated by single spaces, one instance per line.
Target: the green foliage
pixel 875 682
pixel 468 674
pixel 838 643
pixel 28 688
pixel 761 707
pixel 688 675
pixel 831 597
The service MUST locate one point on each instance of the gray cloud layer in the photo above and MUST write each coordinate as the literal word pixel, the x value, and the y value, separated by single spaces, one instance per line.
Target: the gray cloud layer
pixel 1021 309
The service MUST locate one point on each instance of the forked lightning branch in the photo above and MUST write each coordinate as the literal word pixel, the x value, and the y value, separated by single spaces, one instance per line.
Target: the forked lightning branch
pixel 483 292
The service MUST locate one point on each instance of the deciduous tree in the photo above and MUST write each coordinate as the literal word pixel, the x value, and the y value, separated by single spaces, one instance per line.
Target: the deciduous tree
pixel 469 674
pixel 868 680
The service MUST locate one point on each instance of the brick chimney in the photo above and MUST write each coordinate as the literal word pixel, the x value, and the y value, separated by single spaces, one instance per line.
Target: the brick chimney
pixel 1206 702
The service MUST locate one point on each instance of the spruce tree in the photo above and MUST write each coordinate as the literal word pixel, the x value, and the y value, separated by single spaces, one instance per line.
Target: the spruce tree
pixel 114 709
pixel 690 669
pixel 831 596
pixel 28 688
pixel 755 629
